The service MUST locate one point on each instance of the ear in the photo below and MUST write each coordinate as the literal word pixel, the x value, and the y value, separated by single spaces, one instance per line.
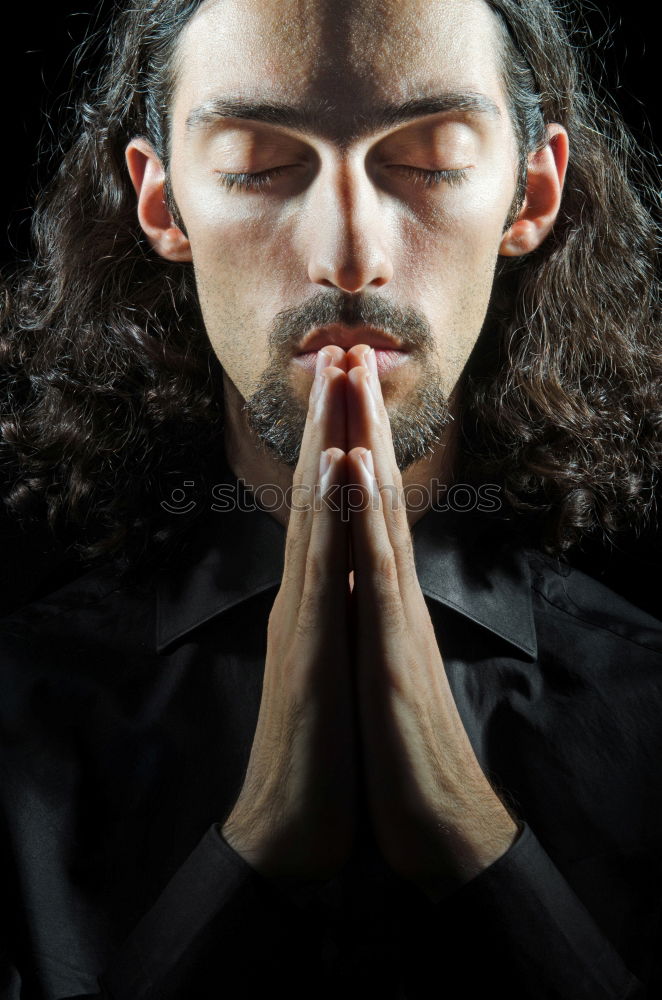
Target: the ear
pixel 544 185
pixel 148 178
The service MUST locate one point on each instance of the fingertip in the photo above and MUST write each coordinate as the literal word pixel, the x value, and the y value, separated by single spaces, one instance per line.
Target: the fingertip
pixel 363 466
pixel 331 464
pixel 336 454
pixel 364 460
pixel 325 462
pixel 337 356
pixel 333 373
pixel 357 356
pixel 358 376
pixel 371 364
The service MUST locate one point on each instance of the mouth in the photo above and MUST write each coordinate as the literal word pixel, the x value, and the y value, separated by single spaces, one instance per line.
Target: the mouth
pixel 386 360
pixel 389 352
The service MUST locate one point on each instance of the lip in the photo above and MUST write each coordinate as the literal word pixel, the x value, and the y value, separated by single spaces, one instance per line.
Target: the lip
pixel 346 337
pixel 387 359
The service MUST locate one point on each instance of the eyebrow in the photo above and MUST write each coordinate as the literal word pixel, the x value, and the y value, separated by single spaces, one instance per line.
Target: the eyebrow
pixel 311 117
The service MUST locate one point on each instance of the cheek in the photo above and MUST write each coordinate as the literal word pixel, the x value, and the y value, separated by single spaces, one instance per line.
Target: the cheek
pixel 452 243
pixel 242 264
pixel 239 242
pixel 451 262
pixel 466 220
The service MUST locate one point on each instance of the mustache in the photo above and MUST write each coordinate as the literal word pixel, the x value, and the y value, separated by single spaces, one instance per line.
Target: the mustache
pixel 291 325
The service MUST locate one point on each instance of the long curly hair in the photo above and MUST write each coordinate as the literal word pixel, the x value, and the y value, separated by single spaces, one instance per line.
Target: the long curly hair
pixel 111 389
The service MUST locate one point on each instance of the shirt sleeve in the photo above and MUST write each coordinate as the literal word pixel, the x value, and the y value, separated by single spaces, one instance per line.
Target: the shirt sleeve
pixel 518 927
pixel 217 923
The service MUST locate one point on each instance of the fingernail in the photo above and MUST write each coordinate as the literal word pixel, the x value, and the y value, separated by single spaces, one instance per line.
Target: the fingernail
pixel 323 361
pixel 372 395
pixel 317 386
pixel 325 462
pixel 366 458
pixel 370 361
pixel 325 473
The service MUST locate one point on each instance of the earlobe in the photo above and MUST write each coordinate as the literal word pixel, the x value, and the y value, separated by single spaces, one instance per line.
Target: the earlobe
pixel 546 174
pixel 148 179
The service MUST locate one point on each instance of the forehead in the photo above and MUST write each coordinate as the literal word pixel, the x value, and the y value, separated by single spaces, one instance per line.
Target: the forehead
pixel 344 56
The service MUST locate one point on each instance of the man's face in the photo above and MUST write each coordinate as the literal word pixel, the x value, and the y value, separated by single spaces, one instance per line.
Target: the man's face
pixel 381 230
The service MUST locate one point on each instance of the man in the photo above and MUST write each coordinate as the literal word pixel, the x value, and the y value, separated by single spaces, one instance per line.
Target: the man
pixel 363 740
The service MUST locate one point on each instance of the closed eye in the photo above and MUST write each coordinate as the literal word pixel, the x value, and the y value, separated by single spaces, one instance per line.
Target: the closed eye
pixel 264 178
pixel 432 177
pixel 251 182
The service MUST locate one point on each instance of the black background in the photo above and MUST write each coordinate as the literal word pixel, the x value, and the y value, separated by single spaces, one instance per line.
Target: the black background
pixel 37 68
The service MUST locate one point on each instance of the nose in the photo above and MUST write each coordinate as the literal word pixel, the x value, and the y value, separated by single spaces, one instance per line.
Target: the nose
pixel 348 239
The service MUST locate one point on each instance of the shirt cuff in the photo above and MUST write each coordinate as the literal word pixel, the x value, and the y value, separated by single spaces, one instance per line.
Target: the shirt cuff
pixel 519 925
pixel 216 922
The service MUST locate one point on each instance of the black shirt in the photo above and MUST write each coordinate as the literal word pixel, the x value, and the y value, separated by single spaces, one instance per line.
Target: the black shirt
pixel 127 716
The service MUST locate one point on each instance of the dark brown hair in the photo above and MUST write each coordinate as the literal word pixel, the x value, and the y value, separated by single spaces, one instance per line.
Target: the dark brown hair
pixel 111 389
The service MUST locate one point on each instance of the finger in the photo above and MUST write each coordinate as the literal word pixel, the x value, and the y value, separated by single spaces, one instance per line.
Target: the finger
pixel 369 418
pixel 377 582
pixel 327 559
pixel 355 356
pixel 325 419
pixel 324 428
pixel 321 622
pixel 368 427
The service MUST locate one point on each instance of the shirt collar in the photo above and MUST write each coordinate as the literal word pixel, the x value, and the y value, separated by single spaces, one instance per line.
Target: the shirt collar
pixel 475 565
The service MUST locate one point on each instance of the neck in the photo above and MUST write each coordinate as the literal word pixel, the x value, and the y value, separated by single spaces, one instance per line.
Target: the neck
pixel 251 462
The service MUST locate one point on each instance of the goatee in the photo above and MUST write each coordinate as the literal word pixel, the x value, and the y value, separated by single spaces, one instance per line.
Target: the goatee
pixel 278 418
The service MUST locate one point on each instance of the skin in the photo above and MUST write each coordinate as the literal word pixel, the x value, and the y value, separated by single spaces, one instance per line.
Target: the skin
pixel 357 715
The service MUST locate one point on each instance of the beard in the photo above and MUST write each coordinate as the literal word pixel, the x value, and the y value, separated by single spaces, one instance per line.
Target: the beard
pixel 278 417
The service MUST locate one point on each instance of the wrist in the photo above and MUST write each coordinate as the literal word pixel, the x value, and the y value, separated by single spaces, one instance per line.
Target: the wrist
pixel 467 857
pixel 454 843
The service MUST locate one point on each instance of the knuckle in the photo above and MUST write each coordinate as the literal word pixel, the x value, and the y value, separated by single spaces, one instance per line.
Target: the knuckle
pixel 385 569
pixel 288 580
pixel 295 548
pixel 297 518
pixel 393 501
pixel 391 614
pixel 307 620
pixel 298 476
pixel 399 525
pixel 316 571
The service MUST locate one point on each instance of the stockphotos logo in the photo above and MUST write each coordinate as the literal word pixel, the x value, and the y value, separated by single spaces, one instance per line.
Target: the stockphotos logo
pixel 225 497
